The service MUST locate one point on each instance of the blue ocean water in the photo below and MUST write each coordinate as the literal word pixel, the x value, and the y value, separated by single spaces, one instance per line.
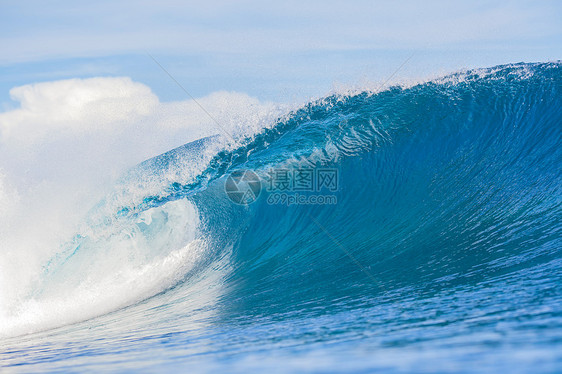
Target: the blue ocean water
pixel 441 251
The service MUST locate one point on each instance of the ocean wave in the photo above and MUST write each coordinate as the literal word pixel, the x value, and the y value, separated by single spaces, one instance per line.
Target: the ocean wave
pixel 449 184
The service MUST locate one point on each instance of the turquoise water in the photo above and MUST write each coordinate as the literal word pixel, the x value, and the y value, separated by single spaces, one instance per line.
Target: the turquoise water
pixel 440 251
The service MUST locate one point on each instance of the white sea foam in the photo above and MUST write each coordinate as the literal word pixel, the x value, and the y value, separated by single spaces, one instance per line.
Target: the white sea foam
pixel 109 272
pixel 60 153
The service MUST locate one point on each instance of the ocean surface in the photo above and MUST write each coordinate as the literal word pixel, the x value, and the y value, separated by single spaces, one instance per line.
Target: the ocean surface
pixel 412 229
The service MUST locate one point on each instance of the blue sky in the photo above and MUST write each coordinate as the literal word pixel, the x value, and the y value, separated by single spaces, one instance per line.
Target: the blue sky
pixel 281 51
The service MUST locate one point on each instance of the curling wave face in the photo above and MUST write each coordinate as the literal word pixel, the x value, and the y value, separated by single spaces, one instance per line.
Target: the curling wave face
pixel 444 242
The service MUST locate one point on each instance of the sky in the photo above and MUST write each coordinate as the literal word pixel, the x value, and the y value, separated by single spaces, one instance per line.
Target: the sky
pixel 277 51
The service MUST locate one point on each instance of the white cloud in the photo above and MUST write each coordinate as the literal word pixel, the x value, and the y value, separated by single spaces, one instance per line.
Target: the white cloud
pixel 74 106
